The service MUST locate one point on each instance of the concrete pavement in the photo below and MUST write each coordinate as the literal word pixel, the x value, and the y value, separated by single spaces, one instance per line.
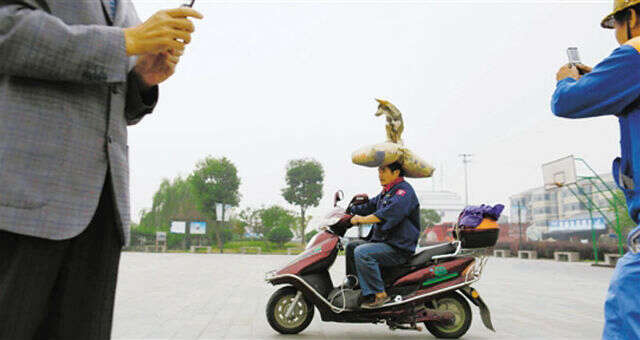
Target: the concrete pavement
pixel 213 296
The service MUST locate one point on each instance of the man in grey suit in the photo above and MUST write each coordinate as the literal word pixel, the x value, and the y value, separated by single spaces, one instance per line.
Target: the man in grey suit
pixel 73 75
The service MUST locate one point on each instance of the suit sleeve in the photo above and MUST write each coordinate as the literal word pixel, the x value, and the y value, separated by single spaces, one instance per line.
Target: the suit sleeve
pixel 38 45
pixel 398 209
pixel 367 208
pixel 139 102
pixel 610 87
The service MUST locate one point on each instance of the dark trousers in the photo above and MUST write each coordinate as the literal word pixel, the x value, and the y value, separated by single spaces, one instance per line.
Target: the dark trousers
pixel 61 290
pixel 350 257
pixel 364 260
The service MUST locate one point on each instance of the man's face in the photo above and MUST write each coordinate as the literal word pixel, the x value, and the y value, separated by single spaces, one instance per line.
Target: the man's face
pixel 387 176
pixel 621 28
pixel 621 32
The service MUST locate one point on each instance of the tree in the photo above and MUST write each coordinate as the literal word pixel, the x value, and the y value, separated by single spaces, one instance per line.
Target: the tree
pixel 174 200
pixel 275 216
pixel 626 223
pixel 251 218
pixel 304 187
pixel 280 235
pixel 310 234
pixel 238 226
pixel 215 180
pixel 429 218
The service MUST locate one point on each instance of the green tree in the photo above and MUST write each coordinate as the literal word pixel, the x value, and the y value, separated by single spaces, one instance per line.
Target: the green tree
pixel 251 218
pixel 429 218
pixel 174 200
pixel 626 223
pixel 276 216
pixel 310 234
pixel 238 227
pixel 304 187
pixel 215 180
pixel 280 235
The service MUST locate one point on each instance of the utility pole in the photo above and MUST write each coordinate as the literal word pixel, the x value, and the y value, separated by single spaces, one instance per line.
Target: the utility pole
pixel 520 203
pixel 466 159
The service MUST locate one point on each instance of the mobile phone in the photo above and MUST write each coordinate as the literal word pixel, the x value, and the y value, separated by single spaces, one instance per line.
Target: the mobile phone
pixel 188 3
pixel 574 57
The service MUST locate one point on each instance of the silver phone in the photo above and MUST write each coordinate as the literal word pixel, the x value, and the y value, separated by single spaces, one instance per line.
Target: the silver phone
pixel 574 56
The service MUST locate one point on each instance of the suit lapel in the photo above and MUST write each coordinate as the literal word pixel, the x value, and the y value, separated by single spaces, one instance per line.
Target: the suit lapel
pixel 106 7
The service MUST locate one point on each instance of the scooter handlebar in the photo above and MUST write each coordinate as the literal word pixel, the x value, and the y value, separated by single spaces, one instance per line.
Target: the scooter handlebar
pixel 340 227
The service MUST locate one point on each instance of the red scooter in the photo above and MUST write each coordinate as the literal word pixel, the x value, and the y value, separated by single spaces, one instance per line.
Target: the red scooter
pixel 432 288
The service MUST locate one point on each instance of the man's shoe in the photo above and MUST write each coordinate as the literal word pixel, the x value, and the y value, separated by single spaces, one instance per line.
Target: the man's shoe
pixel 380 299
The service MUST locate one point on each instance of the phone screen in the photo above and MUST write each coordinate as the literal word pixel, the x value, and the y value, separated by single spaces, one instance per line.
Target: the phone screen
pixel 574 57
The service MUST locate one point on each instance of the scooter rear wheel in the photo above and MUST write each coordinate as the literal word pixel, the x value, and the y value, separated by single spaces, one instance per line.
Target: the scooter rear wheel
pixel 277 308
pixel 458 305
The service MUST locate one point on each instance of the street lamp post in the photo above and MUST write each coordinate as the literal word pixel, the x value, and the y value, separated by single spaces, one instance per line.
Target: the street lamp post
pixel 466 159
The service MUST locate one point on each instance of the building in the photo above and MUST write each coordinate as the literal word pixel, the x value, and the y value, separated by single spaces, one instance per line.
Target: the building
pixel 557 209
pixel 448 204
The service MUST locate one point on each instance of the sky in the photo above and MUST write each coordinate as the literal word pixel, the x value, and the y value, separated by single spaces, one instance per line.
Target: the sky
pixel 264 82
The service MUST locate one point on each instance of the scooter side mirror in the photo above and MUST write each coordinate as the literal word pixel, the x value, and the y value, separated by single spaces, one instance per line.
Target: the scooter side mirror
pixel 339 195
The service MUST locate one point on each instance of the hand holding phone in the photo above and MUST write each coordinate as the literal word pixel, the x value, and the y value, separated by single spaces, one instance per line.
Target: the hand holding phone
pixel 574 60
pixel 574 56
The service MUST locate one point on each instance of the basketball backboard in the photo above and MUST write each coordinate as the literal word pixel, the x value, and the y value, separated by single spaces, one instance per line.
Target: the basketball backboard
pixel 559 173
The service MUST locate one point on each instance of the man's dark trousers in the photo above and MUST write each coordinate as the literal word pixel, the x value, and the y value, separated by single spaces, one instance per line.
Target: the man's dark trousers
pixel 61 289
pixel 350 256
pixel 373 255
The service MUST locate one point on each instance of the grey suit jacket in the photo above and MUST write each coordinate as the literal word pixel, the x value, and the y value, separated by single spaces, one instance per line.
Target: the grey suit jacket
pixel 67 94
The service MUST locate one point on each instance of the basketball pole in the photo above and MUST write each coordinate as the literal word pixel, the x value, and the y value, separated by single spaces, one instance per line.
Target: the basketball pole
pixel 613 203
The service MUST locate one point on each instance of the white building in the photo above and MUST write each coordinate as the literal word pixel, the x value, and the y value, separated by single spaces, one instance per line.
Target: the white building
pixel 544 208
pixel 448 204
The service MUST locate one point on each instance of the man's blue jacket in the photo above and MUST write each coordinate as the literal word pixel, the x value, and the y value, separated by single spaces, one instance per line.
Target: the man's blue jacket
pixel 613 88
pixel 399 212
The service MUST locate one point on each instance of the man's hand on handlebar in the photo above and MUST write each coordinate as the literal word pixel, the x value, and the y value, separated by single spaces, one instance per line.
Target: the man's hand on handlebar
pixel 359 199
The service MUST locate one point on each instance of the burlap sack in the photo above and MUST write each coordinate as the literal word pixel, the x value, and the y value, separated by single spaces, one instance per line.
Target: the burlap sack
pixel 386 153
pixel 377 155
pixel 414 166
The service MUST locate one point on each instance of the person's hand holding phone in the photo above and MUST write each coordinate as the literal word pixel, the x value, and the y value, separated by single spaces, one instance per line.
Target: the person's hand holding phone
pixel 165 30
pixel 572 71
pixel 159 42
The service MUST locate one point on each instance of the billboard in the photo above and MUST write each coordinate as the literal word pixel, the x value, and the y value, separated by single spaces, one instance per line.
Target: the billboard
pixel 198 227
pixel 178 227
pixel 220 212
pixel 578 224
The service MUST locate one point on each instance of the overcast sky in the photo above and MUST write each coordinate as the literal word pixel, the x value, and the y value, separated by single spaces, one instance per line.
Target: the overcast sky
pixel 264 82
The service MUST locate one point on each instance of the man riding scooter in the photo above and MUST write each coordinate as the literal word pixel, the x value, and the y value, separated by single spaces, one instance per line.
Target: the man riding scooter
pixel 395 213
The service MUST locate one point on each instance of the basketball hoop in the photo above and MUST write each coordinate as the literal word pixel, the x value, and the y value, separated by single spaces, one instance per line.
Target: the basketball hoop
pixel 559 173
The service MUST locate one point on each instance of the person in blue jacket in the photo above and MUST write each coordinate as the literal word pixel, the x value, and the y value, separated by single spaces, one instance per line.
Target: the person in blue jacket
pixel 612 88
pixel 395 213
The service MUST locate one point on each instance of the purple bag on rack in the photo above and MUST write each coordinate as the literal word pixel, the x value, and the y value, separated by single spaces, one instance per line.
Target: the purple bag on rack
pixel 473 215
pixel 477 226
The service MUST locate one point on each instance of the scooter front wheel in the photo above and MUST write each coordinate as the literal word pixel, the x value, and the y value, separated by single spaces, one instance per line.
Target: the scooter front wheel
pixel 455 303
pixel 285 314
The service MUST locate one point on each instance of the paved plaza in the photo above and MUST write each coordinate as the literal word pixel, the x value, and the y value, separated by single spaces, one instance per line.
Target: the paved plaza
pixel 213 296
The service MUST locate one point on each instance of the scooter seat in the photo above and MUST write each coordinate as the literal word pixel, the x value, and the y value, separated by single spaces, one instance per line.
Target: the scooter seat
pixel 419 260
pixel 424 256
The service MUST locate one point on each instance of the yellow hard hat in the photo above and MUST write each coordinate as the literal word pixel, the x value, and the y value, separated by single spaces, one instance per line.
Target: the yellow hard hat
pixel 618 6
